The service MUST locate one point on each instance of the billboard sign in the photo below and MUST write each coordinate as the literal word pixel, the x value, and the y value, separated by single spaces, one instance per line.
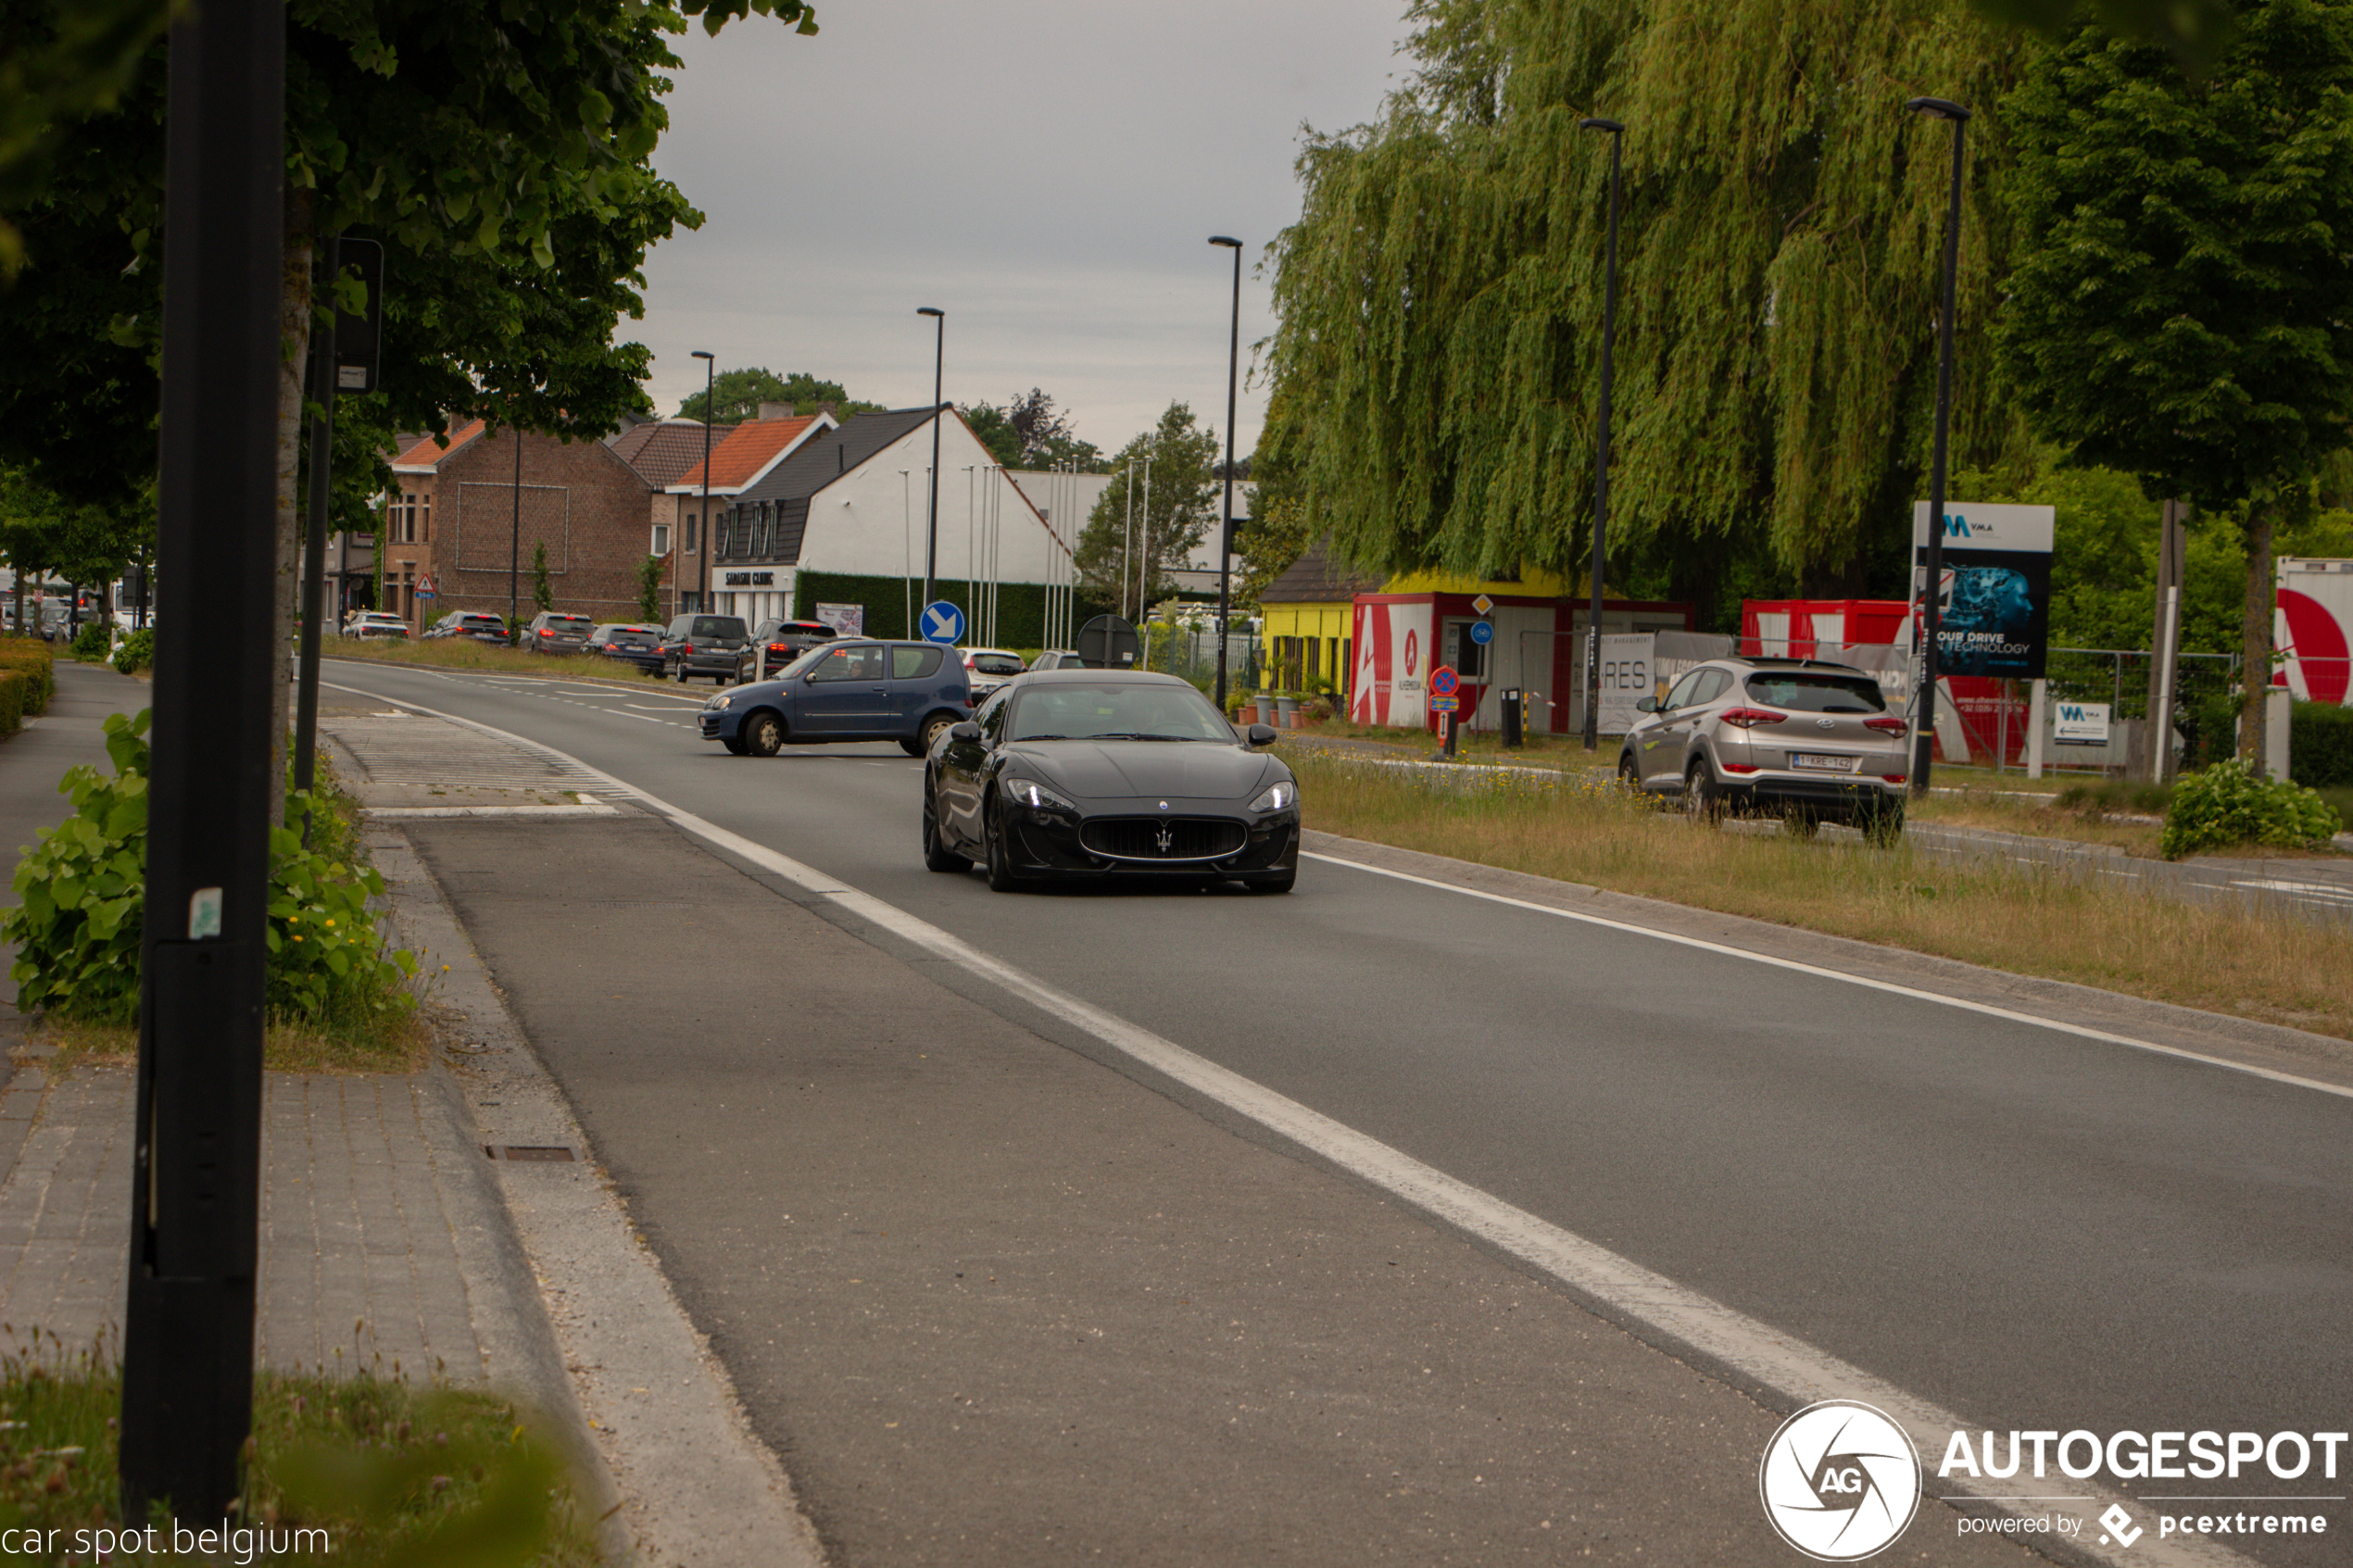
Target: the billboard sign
pixel 2080 723
pixel 847 620
pixel 1993 597
pixel 1629 664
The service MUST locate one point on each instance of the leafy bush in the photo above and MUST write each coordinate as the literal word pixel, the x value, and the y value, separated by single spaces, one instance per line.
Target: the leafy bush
pixel 93 643
pixel 137 652
pixel 30 656
pixel 2229 804
pixel 2320 747
pixel 2209 729
pixel 83 884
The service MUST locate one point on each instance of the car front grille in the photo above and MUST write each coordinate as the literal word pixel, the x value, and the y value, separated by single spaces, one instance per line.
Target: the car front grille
pixel 1162 838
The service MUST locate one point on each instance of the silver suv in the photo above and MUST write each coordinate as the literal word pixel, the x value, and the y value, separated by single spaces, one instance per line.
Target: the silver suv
pixel 1807 739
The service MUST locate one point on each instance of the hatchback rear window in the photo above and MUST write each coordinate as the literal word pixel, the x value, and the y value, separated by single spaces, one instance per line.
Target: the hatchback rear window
pixel 996 664
pixel 717 626
pixel 913 664
pixel 1808 692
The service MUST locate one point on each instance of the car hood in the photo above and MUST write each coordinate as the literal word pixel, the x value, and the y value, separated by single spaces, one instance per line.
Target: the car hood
pixel 1115 770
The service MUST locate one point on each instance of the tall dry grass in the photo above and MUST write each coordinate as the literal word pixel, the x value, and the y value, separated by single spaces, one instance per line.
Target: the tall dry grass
pixel 2237 959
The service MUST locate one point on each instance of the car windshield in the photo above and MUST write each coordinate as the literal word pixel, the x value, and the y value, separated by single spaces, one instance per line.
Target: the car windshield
pixel 996 664
pixel 1817 692
pixel 1115 711
pixel 803 665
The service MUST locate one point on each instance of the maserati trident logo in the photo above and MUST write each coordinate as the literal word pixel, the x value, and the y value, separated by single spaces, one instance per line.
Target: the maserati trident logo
pixel 1166 837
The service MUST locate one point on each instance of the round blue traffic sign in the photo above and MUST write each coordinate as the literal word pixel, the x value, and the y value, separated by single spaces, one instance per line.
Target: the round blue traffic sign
pixel 1482 632
pixel 941 622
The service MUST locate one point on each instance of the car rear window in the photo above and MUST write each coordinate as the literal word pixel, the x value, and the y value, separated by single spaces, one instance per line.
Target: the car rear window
pixel 804 629
pixel 1813 692
pixel 996 664
pixel 718 626
pixel 569 620
pixel 913 664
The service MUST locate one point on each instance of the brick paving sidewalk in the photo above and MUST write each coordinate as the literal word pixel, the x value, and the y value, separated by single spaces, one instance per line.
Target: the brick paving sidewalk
pixel 366 1208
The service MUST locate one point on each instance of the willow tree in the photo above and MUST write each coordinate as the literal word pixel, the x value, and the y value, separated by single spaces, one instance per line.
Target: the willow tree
pixel 1440 298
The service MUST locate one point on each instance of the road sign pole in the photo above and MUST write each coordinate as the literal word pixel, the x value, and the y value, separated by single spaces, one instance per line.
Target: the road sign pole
pixel 314 533
pixel 188 1309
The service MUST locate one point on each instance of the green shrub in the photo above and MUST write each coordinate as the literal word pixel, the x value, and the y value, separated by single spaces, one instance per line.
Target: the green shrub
pixel 2227 804
pixel 13 686
pixel 2209 729
pixel 83 884
pixel 31 656
pixel 137 652
pixel 93 643
pixel 2320 745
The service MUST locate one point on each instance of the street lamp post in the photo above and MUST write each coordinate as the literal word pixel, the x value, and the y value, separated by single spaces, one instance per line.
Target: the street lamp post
pixel 1616 132
pixel 514 547
pixel 1924 737
pixel 939 368
pixel 702 523
pixel 1225 526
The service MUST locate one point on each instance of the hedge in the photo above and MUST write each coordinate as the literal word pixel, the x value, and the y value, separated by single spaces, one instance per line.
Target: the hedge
pixel 1021 606
pixel 2319 744
pixel 30 656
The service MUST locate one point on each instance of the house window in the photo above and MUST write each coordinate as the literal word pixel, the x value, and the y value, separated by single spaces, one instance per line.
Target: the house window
pixel 660 546
pixel 690 533
pixel 759 531
pixel 424 517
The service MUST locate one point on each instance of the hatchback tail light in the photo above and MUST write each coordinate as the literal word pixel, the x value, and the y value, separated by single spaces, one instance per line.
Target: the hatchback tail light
pixel 1739 767
pixel 1749 718
pixel 1886 725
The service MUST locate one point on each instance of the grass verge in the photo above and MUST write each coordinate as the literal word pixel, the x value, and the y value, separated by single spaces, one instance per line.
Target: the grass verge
pixel 2023 920
pixel 464 653
pixel 391 1473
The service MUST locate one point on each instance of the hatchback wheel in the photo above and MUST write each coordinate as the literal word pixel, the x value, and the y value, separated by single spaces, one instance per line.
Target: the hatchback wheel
pixel 934 727
pixel 763 735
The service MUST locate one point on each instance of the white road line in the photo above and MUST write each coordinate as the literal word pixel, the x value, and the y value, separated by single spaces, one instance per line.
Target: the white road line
pixel 1985 1008
pixel 1798 1370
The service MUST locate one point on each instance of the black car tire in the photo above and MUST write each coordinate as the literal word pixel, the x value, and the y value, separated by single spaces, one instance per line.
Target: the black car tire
pixel 937 856
pixel 1000 860
pixel 763 733
pixel 912 748
pixel 682 672
pixel 1703 802
pixel 735 744
pixel 1274 883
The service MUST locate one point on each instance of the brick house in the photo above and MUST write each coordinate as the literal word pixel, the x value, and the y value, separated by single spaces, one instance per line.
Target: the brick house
pixel 459 519
pixel 662 451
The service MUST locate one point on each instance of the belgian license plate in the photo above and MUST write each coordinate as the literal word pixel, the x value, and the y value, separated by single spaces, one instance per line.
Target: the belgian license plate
pixel 1822 764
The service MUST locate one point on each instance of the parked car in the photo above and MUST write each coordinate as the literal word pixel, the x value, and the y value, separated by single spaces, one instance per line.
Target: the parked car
pixel 776 643
pixel 56 615
pixel 640 646
pixel 1811 740
pixel 556 631
pixel 703 645
pixel 990 668
pixel 1058 659
pixel 377 626
pixel 845 691
pixel 1103 772
pixel 481 625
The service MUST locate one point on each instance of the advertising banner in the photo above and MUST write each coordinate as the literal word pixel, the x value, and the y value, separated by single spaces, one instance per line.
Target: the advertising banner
pixel 1994 602
pixel 847 620
pixel 2314 628
pixel 1629 666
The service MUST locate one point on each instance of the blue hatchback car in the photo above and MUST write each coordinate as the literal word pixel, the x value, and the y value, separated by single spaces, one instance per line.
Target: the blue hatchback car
pixel 845 691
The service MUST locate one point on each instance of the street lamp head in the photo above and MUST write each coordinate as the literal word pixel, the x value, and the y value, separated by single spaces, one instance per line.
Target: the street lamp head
pixel 1594 122
pixel 1225 239
pixel 929 310
pixel 1943 109
pixel 702 354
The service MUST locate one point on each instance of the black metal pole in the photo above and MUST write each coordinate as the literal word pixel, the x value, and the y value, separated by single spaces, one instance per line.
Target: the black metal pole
pixel 314 536
pixel 1225 528
pixel 514 550
pixel 702 523
pixel 187 1343
pixel 1924 740
pixel 1601 453
pixel 931 534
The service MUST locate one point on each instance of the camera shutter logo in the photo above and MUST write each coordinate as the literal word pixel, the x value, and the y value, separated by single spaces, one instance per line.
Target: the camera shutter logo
pixel 1839 1481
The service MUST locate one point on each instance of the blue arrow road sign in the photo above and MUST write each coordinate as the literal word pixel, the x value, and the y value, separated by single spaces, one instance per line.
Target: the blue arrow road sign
pixel 942 621
pixel 1482 632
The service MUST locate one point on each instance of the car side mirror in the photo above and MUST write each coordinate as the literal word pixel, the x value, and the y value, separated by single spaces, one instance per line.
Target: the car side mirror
pixel 1263 734
pixel 968 732
pixel 1647 705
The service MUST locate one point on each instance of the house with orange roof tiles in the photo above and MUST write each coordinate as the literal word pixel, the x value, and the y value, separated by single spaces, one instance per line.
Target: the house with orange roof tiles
pixel 740 458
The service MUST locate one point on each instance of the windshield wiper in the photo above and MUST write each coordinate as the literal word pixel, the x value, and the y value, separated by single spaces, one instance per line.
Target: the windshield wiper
pixel 1020 738
pixel 1138 735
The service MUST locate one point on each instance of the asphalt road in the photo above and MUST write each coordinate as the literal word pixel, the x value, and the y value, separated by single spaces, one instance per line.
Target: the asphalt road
pixel 2033 1229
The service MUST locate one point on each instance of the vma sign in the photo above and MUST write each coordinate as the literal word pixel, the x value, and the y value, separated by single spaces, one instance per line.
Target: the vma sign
pixel 1994 593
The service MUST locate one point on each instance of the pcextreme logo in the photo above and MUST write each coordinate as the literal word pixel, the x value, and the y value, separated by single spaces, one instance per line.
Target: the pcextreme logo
pixel 1839 1481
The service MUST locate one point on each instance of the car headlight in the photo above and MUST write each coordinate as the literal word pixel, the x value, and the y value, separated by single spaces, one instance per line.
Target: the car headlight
pixel 1037 797
pixel 720 702
pixel 1276 798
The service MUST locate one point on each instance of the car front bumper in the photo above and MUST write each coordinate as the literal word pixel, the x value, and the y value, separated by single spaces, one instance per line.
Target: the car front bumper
pixel 1203 839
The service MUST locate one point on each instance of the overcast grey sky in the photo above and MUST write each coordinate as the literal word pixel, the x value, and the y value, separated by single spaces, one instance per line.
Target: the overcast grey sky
pixel 1047 171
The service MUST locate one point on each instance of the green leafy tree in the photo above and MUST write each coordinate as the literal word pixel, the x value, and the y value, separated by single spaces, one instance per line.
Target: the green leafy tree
pixel 650 588
pixel 2179 309
pixel 737 396
pixel 543 596
pixel 1182 508
pixel 1029 432
pixel 1436 357
pixel 61 60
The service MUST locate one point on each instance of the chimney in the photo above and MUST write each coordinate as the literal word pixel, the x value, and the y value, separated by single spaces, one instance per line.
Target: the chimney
pixel 775 410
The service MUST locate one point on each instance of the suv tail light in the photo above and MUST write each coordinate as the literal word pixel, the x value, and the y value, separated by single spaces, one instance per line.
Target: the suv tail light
pixel 547 631
pixel 779 647
pixel 1886 725
pixel 1749 718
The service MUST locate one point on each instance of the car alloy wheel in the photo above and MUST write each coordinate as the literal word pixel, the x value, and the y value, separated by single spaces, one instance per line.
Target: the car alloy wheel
pixel 1000 858
pixel 763 736
pixel 932 728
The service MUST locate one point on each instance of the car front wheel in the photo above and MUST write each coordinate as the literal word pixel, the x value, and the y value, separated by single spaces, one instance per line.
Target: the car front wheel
pixel 763 735
pixel 938 857
pixel 934 727
pixel 1000 857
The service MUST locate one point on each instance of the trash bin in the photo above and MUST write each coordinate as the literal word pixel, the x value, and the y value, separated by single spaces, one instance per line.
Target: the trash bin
pixel 1514 714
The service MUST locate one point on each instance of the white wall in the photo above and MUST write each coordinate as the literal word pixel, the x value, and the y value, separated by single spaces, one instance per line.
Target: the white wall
pixel 871 522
